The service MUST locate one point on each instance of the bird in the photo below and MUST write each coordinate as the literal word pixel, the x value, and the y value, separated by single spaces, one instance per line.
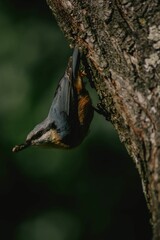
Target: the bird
pixel 70 115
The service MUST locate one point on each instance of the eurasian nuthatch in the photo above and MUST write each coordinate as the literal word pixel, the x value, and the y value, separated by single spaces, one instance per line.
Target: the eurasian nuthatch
pixel 70 114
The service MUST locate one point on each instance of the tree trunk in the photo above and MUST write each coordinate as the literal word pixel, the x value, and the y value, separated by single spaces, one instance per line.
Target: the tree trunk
pixel 121 44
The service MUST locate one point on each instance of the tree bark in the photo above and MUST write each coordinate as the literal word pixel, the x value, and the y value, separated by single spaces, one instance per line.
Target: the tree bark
pixel 121 44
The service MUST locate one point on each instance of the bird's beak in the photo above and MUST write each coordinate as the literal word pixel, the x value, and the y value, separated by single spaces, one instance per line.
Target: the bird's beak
pixel 20 147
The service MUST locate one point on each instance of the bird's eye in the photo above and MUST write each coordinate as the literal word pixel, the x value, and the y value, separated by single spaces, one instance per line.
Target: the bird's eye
pixel 40 132
pixel 53 125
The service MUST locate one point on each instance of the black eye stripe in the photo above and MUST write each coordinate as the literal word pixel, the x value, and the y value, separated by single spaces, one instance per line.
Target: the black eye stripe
pixel 44 130
pixel 37 135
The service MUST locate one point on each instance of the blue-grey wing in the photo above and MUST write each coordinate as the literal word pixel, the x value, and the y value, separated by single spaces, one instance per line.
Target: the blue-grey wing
pixel 63 111
pixel 60 111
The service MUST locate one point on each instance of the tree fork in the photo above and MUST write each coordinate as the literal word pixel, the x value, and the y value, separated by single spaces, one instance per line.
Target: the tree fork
pixel 121 42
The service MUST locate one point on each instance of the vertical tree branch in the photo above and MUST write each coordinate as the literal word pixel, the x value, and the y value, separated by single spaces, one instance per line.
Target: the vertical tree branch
pixel 121 42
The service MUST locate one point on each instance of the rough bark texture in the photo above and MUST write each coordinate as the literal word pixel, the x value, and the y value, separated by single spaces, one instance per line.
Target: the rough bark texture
pixel 121 42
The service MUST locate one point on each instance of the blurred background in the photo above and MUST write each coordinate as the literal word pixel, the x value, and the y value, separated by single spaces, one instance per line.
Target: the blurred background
pixel 91 192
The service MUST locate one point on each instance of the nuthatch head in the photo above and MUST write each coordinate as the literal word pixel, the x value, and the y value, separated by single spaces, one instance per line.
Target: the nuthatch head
pixel 70 114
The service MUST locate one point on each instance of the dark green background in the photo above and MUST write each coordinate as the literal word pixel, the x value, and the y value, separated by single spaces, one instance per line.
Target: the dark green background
pixel 92 192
